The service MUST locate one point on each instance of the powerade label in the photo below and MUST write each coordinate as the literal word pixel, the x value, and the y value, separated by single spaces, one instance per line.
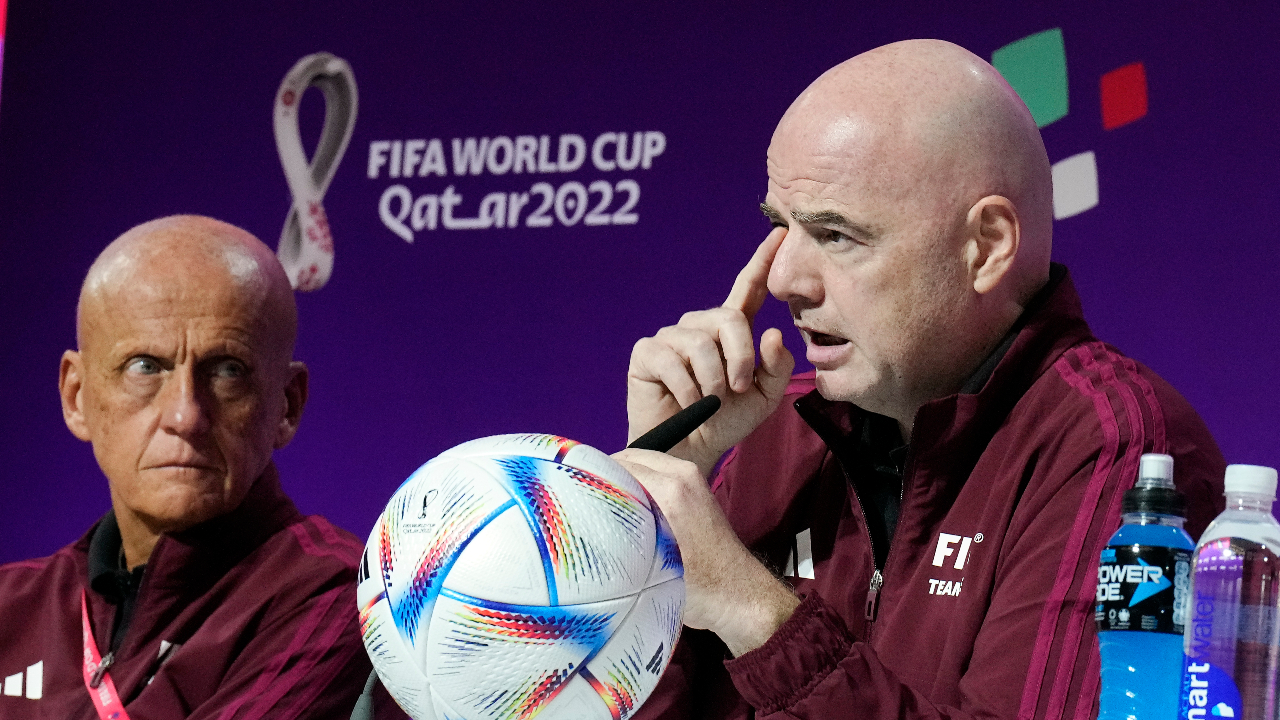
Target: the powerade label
pixel 1143 588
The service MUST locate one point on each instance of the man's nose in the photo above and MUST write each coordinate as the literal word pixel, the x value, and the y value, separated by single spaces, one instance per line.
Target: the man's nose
pixel 182 411
pixel 794 277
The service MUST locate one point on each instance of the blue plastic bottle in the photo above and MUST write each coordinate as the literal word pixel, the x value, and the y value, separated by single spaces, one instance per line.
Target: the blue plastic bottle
pixel 1143 591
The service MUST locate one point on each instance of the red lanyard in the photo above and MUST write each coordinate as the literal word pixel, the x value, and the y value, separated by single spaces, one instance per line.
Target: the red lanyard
pixel 96 679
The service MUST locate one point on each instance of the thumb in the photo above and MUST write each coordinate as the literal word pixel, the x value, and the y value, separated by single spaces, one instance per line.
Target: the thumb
pixel 776 364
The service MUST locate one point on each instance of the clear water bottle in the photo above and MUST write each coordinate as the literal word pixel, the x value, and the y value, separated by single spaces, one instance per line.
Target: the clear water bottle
pixel 1143 589
pixel 1232 643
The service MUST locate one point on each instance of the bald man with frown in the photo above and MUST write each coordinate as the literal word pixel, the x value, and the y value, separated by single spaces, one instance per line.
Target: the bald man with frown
pixel 203 592
pixel 911 530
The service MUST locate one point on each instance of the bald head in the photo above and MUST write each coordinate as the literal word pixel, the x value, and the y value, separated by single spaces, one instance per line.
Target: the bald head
pixel 939 128
pixel 917 198
pixel 184 379
pixel 190 255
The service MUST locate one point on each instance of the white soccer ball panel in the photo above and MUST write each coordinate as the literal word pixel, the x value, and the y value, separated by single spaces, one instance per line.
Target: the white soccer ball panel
pixel 577 700
pixel 555 449
pixel 597 538
pixel 391 658
pixel 443 710
pixel 502 566
pixel 595 462
pixel 627 669
pixel 544 447
pixel 438 497
pixel 502 563
pixel 667 563
pixel 424 529
pixel 491 661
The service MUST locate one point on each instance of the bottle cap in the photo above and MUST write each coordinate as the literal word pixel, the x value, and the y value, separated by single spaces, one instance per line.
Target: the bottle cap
pixel 1255 479
pixel 1155 470
pixel 1154 491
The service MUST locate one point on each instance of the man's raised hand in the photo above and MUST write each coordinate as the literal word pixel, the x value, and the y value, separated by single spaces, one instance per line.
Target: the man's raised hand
pixel 712 352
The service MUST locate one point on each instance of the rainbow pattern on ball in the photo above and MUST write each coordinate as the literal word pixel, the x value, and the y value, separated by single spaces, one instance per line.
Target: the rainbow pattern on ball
pixel 520 576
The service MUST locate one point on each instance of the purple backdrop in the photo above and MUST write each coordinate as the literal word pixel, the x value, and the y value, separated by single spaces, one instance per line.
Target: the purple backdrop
pixel 112 118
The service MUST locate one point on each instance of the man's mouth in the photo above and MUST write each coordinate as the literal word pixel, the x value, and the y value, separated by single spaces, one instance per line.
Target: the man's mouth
pixel 184 465
pixel 822 339
pixel 824 350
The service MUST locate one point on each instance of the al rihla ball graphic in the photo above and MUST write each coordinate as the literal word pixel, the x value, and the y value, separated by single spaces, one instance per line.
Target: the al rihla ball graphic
pixel 521 575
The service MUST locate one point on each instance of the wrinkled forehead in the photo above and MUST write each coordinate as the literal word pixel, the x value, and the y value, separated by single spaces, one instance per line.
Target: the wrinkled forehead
pixel 826 152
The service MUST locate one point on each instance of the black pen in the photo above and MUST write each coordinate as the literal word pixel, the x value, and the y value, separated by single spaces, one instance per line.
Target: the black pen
pixel 671 431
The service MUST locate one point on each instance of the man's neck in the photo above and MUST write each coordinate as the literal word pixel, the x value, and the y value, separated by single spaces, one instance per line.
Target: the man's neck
pixel 973 381
pixel 136 538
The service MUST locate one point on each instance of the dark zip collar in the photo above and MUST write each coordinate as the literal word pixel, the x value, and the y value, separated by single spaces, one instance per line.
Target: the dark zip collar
pixel 184 565
pixel 951 432
pixel 962 423
pixel 110 578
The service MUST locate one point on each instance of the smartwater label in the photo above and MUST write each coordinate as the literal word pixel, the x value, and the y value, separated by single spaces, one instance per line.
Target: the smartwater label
pixel 1143 588
pixel 1208 692
pixel 1233 635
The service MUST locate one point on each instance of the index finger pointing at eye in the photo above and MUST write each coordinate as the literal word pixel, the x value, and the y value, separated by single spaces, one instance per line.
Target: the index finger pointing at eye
pixel 751 287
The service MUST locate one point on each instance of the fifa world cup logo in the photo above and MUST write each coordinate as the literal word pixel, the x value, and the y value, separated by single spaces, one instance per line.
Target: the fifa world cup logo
pixel 306 244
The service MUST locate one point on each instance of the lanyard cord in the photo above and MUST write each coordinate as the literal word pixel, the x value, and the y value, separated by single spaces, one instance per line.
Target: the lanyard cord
pixel 306 245
pixel 96 678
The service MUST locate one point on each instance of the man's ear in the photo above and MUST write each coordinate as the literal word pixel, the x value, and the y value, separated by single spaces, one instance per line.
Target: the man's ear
pixel 71 387
pixel 994 235
pixel 295 397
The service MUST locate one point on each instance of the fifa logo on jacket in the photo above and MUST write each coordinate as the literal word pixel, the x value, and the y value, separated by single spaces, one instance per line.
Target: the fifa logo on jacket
pixel 951 550
pixel 945 549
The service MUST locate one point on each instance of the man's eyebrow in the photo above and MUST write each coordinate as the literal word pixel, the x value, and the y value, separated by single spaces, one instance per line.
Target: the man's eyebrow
pixel 774 216
pixel 822 217
pixel 831 217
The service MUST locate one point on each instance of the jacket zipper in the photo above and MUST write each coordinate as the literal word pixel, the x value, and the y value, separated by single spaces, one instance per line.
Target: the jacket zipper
pixel 872 607
pixel 873 595
pixel 103 666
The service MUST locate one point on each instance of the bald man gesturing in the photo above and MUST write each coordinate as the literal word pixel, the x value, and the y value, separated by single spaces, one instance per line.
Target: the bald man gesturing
pixel 914 532
pixel 203 593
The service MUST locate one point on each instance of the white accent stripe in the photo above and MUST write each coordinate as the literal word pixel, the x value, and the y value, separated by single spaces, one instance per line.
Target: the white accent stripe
pixel 13 685
pixel 35 681
pixel 790 571
pixel 804 555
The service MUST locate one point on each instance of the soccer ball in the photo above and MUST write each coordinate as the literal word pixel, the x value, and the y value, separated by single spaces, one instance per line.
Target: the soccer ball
pixel 520 575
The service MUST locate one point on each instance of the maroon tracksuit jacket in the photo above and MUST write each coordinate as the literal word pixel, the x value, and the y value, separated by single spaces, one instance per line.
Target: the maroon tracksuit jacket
pixel 1009 495
pixel 258 605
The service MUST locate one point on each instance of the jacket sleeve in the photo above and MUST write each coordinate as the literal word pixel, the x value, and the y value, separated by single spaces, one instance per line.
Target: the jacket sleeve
pixel 307 663
pixel 1035 655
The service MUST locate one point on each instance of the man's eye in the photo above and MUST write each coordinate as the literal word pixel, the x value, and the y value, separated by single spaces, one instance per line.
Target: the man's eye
pixel 837 237
pixel 143 366
pixel 230 370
